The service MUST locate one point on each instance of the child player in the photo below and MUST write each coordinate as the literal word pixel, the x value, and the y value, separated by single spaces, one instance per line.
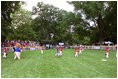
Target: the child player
pixel 42 50
pixel 57 51
pixel 80 50
pixel 17 51
pixel 5 53
pixel 76 53
pixel 107 52
pixel 60 50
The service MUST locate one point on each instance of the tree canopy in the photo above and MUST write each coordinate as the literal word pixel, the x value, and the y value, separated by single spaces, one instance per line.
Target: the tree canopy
pixel 104 16
pixel 59 25
pixel 7 8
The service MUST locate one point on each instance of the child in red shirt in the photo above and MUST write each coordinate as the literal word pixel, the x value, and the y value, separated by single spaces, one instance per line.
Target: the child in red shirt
pixel 80 50
pixel 107 52
pixel 42 50
pixel 60 50
pixel 76 53
pixel 5 53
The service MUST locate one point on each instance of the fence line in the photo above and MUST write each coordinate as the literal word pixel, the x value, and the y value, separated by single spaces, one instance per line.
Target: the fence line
pixel 10 49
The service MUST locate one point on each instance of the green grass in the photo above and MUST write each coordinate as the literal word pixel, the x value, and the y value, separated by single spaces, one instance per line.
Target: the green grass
pixel 35 65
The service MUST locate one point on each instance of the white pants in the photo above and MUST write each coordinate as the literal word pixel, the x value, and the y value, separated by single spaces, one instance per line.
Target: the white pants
pixel 60 53
pixel 107 55
pixel 4 56
pixel 80 51
pixel 76 54
pixel 41 51
pixel 57 54
pixel 17 54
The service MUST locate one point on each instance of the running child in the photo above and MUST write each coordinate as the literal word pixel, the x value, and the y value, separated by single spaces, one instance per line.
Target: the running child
pixel 42 50
pixel 60 50
pixel 76 53
pixel 80 50
pixel 107 52
pixel 5 53
pixel 57 51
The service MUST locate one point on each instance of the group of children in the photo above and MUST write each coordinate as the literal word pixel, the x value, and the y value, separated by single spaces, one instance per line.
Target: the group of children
pixel 80 51
pixel 59 51
pixel 18 49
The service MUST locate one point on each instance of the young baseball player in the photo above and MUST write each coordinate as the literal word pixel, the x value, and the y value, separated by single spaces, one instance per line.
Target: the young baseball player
pixel 5 53
pixel 107 52
pixel 80 50
pixel 42 50
pixel 76 53
pixel 17 51
pixel 57 51
pixel 60 50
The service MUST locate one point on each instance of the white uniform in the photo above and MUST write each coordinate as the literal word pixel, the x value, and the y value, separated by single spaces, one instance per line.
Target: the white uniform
pixel 41 51
pixel 4 56
pixel 76 54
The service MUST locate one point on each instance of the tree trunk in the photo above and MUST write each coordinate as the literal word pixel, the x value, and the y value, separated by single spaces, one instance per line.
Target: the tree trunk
pixel 48 36
pixel 101 38
pixel 101 30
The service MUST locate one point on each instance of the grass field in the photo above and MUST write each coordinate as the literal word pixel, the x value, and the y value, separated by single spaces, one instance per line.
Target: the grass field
pixel 35 65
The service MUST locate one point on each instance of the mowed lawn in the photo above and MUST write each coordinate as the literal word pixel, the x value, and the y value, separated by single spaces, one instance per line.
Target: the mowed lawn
pixel 35 65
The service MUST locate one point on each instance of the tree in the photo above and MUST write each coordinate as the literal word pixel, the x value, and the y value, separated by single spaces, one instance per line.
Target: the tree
pixel 98 12
pixel 110 21
pixel 21 25
pixel 7 8
pixel 47 22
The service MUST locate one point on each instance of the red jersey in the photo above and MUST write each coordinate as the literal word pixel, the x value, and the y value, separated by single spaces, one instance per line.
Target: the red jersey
pixel 76 51
pixel 42 48
pixel 5 51
pixel 107 51
pixel 106 48
pixel 60 49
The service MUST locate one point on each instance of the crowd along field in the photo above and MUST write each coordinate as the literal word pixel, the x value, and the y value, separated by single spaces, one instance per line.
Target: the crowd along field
pixel 33 64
